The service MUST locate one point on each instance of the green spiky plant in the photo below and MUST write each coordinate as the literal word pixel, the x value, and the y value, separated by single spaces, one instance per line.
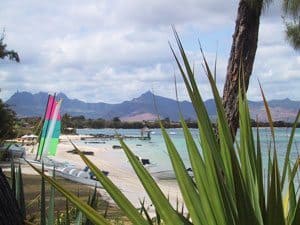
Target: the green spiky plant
pixel 229 185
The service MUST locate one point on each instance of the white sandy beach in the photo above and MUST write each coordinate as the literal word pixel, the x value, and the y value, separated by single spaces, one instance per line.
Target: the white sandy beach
pixel 115 162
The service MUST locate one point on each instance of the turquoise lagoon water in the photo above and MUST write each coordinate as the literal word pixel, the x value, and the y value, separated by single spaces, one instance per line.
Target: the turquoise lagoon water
pixel 155 149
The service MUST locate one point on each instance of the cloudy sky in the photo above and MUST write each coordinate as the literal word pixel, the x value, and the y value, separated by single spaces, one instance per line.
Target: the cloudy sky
pixel 111 51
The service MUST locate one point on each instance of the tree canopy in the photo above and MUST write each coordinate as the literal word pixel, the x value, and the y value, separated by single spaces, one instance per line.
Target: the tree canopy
pixel 4 53
pixel 7 116
pixel 292 22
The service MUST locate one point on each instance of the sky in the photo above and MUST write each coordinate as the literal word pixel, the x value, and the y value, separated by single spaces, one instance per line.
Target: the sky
pixel 112 51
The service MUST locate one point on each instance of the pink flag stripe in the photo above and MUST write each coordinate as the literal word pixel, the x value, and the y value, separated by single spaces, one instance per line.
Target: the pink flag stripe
pixel 51 108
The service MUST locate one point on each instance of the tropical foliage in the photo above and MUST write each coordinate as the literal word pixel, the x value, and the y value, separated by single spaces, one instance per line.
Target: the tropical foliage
pixel 291 11
pixel 230 184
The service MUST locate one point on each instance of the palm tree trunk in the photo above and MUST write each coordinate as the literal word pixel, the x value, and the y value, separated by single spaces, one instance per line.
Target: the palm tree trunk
pixel 242 55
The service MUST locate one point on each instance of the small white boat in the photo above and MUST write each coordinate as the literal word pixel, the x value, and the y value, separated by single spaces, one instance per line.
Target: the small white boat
pixel 69 172
pixel 77 175
pixel 14 150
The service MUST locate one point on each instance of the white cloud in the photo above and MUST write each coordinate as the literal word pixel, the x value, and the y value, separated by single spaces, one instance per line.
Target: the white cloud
pixel 115 50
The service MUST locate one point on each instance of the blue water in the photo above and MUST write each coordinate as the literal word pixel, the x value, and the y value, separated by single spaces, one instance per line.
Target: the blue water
pixel 156 151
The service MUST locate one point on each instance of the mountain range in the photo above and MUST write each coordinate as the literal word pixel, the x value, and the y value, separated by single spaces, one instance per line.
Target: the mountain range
pixel 26 104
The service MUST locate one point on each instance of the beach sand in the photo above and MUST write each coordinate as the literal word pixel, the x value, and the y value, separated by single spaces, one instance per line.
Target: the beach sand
pixel 116 163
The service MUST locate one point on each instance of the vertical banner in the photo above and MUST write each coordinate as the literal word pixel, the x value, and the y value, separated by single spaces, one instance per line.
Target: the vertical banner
pixel 51 128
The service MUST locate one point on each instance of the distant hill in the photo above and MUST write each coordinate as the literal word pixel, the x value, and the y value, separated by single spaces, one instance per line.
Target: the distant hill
pixel 26 104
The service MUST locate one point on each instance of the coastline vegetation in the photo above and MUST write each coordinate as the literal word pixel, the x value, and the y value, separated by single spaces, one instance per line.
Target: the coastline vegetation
pixel 32 124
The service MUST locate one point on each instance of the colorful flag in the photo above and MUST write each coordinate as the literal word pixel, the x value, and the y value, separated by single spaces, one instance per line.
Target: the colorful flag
pixel 51 128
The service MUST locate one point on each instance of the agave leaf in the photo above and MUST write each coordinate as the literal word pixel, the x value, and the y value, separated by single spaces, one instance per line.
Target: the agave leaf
pixel 215 66
pixel 182 209
pixel 79 218
pixel 209 143
pixel 106 210
pixel 185 182
pixel 270 166
pixel 144 210
pixel 296 217
pixel 206 184
pixel 43 197
pixel 248 158
pixel 93 215
pixel 205 127
pixel 93 202
pixel 227 147
pixel 36 199
pixel 247 141
pixel 67 213
pixel 161 203
pixel 268 115
pixel 141 209
pixel 290 201
pixel 51 216
pixel 113 191
pixel 289 148
pixel 20 192
pixel 93 199
pixel 58 218
pixel 158 220
pixel 231 161
pixel 246 213
pixel 274 204
pixel 13 176
pixel 260 178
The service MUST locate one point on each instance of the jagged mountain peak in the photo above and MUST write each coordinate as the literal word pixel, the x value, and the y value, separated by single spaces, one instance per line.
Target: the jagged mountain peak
pixel 148 95
pixel 26 104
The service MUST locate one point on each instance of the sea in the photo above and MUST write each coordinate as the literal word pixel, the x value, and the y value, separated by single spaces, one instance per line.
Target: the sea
pixel 155 149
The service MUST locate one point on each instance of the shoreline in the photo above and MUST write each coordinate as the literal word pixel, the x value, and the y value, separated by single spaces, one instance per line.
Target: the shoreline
pixel 115 162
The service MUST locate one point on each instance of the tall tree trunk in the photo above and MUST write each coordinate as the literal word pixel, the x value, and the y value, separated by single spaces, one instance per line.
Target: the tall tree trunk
pixel 242 55
pixel 9 210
